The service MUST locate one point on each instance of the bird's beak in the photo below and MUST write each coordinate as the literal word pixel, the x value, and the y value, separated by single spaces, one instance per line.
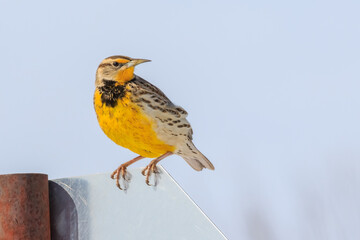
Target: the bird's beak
pixel 133 63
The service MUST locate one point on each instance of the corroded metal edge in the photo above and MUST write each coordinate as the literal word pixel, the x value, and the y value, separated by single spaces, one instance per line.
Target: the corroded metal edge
pixel 24 206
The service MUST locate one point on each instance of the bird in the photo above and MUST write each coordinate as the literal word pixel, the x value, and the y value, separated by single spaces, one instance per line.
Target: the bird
pixel 138 116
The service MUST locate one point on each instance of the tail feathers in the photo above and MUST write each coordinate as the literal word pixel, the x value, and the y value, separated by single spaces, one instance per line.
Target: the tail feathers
pixel 194 163
pixel 195 158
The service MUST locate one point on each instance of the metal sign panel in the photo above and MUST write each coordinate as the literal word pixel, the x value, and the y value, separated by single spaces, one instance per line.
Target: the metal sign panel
pixel 92 207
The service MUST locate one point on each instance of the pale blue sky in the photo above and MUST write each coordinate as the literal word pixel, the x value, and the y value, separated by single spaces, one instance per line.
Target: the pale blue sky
pixel 271 87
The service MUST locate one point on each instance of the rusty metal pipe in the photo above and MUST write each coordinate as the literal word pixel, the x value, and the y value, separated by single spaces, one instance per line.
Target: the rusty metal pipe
pixel 24 206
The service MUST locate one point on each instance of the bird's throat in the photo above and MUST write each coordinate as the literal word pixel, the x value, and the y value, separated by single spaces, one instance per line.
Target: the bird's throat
pixel 125 75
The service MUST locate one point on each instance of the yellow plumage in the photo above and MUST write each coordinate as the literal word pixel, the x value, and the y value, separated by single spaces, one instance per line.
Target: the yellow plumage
pixel 128 127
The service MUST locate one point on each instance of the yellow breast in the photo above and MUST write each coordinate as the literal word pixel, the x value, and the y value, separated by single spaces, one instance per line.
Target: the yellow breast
pixel 127 126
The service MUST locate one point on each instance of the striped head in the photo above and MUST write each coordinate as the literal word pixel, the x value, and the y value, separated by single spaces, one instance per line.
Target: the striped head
pixel 117 68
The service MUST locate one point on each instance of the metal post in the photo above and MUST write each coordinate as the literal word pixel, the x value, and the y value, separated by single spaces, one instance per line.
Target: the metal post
pixel 24 206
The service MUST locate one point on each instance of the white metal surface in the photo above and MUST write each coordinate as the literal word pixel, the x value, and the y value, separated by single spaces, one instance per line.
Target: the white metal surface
pixel 92 207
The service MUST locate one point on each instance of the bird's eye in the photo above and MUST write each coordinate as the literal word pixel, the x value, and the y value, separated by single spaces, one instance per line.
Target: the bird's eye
pixel 116 64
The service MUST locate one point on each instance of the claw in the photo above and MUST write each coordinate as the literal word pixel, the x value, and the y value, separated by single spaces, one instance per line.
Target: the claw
pixel 118 184
pixel 144 170
pixel 121 172
pixel 148 171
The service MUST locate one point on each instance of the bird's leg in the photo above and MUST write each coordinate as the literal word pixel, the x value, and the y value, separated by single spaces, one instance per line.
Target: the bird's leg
pixel 151 168
pixel 121 171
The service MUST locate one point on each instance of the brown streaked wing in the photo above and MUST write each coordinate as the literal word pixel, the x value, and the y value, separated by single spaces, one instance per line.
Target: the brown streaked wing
pixel 159 106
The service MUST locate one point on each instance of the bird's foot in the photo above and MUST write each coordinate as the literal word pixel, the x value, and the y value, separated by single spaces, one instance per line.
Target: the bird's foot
pixel 149 170
pixel 121 173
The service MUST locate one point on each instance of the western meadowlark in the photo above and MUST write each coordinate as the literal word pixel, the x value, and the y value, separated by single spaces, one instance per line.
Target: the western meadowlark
pixel 137 115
